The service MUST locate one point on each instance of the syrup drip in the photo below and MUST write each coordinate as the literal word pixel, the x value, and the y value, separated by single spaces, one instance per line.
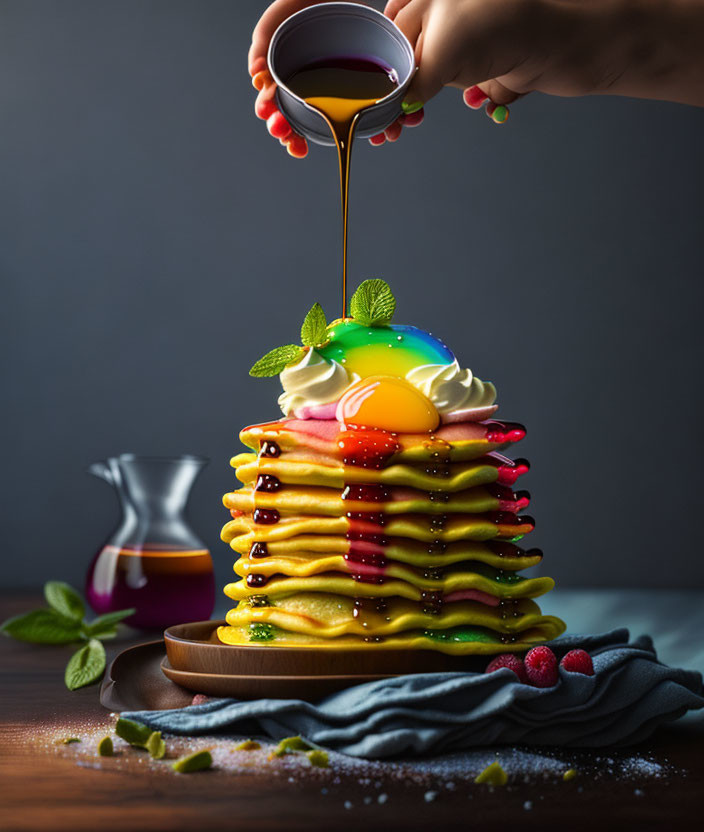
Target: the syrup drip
pixel 255 579
pixel 431 602
pixel 438 523
pixel 266 516
pixel 268 483
pixel 509 470
pixel 259 550
pixel 438 496
pixel 440 452
pixel 367 447
pixel 437 547
pixel 367 612
pixel 270 449
pixel 508 500
pixel 433 574
pixel 378 561
pixel 341 89
pixel 367 493
pixel 500 433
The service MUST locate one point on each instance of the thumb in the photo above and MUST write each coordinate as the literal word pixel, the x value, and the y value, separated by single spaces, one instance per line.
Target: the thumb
pixel 427 81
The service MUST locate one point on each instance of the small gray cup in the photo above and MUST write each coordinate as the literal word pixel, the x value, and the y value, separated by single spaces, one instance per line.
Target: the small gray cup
pixel 333 30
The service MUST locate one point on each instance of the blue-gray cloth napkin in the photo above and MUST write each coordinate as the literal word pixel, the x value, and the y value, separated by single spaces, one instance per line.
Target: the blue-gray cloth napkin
pixel 630 694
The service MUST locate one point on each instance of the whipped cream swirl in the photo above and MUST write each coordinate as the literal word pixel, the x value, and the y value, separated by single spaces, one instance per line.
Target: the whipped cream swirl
pixel 313 380
pixel 449 387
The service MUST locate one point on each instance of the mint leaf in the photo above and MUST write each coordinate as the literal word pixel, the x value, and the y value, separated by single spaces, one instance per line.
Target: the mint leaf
pixel 85 666
pixel 104 625
pixel 64 599
pixel 133 732
pixel 373 304
pixel 275 361
pixel 315 328
pixel 42 627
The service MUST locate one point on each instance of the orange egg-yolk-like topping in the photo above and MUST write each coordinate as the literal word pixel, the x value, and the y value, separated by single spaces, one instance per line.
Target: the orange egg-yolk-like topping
pixel 389 403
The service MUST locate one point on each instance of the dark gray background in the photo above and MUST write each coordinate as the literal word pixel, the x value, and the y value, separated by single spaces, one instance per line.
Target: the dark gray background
pixel 154 242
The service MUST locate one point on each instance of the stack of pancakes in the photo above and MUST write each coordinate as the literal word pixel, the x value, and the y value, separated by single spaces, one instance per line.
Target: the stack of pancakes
pixel 352 537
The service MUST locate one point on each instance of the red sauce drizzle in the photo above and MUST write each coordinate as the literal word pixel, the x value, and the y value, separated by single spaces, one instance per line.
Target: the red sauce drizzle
pixel 501 433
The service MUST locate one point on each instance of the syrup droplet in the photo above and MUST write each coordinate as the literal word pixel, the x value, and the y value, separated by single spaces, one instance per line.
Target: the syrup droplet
pixel 259 550
pixel 268 483
pixel 255 579
pixel 266 516
pixel 269 449
pixel 366 448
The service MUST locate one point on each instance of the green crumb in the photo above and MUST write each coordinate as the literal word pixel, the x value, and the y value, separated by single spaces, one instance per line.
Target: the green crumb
pixel 570 774
pixel 155 745
pixel 261 632
pixel 290 744
pixel 492 775
pixel 135 733
pixel 68 740
pixel 318 757
pixel 247 745
pixel 198 761
pixel 105 748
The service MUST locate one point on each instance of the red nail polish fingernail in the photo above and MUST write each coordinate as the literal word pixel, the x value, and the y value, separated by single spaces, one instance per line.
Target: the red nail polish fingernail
pixel 474 97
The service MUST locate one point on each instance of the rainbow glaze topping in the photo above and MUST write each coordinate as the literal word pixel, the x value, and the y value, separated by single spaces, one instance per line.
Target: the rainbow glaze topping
pixel 382 350
pixel 382 515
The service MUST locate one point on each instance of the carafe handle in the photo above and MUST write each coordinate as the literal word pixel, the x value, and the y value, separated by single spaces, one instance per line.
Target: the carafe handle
pixel 102 470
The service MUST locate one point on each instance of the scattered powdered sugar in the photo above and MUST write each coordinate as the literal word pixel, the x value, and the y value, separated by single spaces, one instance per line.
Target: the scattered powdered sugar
pixel 360 784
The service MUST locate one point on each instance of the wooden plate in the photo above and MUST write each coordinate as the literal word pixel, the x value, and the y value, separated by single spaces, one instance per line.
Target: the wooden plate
pixel 194 648
pixel 134 681
pixel 309 688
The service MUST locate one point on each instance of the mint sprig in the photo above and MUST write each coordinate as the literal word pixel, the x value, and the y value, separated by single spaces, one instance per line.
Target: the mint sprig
pixel 373 304
pixel 63 622
pixel 276 360
pixel 314 331
pixel 85 666
pixel 65 600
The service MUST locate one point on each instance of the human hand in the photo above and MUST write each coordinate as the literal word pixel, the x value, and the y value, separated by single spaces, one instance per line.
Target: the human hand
pixel 500 50
pixel 265 105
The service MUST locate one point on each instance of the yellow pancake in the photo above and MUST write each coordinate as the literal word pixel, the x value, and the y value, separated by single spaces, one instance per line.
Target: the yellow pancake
pixel 485 643
pixel 460 475
pixel 414 526
pixel 331 616
pixel 305 564
pixel 338 584
pixel 414 552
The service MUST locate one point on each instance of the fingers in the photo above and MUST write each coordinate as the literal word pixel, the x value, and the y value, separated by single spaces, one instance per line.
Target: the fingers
pixel 475 96
pixel 393 132
pixel 266 109
pixel 269 23
pixel 393 7
pixel 498 93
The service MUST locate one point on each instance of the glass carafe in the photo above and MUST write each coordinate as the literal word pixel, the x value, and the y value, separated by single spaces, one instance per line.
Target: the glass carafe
pixel 153 561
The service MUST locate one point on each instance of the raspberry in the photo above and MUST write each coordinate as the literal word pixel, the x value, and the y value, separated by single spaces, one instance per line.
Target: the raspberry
pixel 510 661
pixel 541 667
pixel 578 661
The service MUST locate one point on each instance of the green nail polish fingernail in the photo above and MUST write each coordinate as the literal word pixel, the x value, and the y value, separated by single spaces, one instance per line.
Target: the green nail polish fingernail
pixel 500 114
pixel 412 107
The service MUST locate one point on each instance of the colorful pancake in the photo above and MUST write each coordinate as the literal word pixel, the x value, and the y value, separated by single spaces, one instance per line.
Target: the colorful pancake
pixel 380 512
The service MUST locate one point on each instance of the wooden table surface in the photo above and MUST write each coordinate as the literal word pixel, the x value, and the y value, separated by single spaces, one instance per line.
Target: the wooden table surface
pixel 45 786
